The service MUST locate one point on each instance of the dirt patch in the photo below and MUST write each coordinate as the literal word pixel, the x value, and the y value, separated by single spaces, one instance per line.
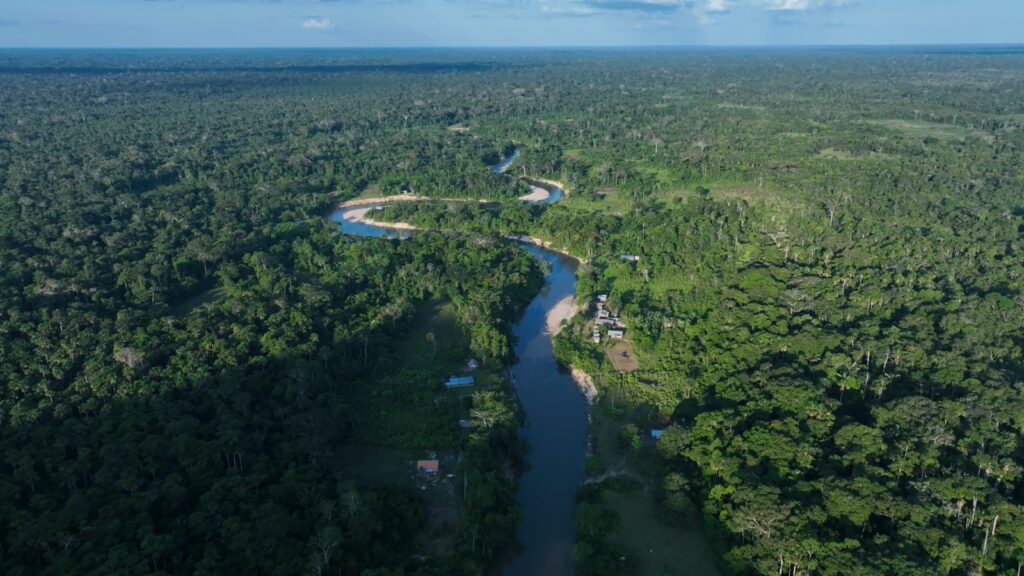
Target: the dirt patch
pixel 622 358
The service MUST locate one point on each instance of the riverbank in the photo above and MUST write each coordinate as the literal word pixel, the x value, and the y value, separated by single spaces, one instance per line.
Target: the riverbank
pixel 540 182
pixel 359 216
pixel 356 202
pixel 536 195
pixel 585 383
pixel 541 244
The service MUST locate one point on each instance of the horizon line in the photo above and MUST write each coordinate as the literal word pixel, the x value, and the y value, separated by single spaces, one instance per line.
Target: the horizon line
pixel 1018 44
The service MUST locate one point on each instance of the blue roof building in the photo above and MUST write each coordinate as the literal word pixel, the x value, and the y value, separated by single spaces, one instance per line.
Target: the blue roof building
pixel 460 381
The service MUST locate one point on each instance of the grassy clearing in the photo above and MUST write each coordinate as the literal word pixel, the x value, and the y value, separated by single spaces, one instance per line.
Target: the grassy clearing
pixel 371 191
pixel 406 404
pixel 923 130
pixel 658 549
pixel 440 493
pixel 833 154
pixel 435 340
pixel 749 192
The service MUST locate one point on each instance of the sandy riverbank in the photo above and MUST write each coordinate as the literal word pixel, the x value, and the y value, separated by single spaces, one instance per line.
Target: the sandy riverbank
pixel 406 198
pixel 546 182
pixel 540 244
pixel 564 310
pixel 360 215
pixel 537 194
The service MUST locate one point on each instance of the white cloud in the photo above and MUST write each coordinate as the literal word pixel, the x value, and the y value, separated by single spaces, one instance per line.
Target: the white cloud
pixel 703 10
pixel 568 10
pixel 717 6
pixel 801 5
pixel 318 24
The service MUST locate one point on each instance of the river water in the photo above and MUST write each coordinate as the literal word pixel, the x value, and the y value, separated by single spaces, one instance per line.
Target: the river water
pixel 556 431
pixel 502 166
pixel 556 417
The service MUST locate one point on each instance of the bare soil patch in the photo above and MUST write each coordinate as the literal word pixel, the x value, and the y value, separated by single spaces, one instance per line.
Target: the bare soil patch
pixel 622 358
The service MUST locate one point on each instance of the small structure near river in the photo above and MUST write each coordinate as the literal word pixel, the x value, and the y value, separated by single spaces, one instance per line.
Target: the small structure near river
pixel 459 382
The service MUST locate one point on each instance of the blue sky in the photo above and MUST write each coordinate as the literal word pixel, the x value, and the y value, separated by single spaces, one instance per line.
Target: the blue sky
pixel 331 23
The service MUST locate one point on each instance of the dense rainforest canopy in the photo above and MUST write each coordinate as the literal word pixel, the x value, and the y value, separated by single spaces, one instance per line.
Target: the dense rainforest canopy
pixel 827 311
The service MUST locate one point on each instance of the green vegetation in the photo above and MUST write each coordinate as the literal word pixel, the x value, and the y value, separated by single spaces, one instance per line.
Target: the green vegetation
pixel 189 356
pixel 827 313
pixel 832 343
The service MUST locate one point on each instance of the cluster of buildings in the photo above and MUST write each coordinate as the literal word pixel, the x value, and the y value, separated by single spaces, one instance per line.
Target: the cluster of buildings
pixel 616 327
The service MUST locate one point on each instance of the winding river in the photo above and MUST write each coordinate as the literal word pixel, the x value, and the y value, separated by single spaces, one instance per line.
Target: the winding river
pixel 556 412
pixel 502 166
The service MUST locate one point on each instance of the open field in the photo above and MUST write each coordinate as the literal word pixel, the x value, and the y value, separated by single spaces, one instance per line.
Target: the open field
pixel 932 129
pixel 621 356
pixel 658 549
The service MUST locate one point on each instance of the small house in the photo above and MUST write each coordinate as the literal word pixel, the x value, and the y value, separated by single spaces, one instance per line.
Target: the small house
pixel 603 313
pixel 472 364
pixel 596 337
pixel 602 298
pixel 460 381
pixel 616 334
pixel 466 424
pixel 656 433
pixel 429 467
pixel 630 257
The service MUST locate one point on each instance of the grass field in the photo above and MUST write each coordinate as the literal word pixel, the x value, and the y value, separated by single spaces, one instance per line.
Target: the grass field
pixel 658 549
pixel 925 129
pixel 436 340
